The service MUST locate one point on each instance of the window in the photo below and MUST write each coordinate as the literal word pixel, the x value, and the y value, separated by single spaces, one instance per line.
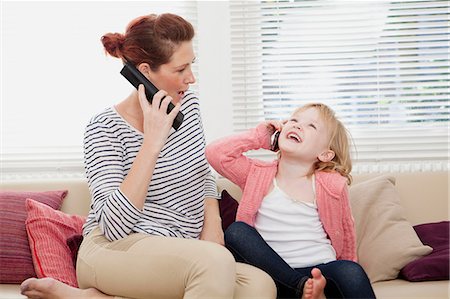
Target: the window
pixel 383 66
pixel 56 76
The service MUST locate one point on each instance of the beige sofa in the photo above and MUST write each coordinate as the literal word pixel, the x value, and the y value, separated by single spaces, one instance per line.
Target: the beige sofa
pixel 423 195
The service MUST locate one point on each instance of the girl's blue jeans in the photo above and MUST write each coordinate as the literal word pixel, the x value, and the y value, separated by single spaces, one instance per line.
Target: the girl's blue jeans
pixel 345 279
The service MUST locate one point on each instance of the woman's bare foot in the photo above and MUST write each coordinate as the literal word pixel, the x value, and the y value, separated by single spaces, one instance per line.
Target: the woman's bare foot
pixel 314 287
pixel 50 288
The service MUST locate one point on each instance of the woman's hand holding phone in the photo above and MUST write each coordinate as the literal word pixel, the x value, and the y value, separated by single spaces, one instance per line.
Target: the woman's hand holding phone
pixel 157 123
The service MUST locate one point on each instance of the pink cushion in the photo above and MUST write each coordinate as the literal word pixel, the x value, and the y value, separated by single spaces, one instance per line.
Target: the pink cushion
pixel 48 231
pixel 15 256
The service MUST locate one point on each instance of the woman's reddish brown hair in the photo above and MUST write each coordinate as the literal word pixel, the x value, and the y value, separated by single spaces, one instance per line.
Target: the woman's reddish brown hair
pixel 149 39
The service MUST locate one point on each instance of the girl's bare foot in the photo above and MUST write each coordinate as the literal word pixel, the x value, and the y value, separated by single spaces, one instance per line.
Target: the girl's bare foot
pixel 50 288
pixel 308 289
pixel 314 287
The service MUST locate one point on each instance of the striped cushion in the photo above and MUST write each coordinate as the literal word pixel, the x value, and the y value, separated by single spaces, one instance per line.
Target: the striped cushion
pixel 15 256
pixel 48 231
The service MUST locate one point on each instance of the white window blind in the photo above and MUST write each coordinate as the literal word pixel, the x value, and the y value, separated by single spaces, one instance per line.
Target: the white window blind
pixel 383 66
pixel 55 46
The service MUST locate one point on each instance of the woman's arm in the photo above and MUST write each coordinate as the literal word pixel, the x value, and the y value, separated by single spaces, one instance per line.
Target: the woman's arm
pixel 157 125
pixel 105 171
pixel 212 224
pixel 118 198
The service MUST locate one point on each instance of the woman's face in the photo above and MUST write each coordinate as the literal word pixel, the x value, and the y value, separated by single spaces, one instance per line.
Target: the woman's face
pixel 176 75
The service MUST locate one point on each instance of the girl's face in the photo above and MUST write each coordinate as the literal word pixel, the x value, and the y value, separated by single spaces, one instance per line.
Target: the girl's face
pixel 176 75
pixel 305 135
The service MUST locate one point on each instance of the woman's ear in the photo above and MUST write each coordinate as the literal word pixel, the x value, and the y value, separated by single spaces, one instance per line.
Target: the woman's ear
pixel 144 68
pixel 326 156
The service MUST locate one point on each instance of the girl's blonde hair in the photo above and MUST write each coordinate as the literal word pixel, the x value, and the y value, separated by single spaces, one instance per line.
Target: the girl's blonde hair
pixel 339 142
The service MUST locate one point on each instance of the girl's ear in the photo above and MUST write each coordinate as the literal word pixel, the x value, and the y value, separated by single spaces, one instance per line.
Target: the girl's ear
pixel 326 156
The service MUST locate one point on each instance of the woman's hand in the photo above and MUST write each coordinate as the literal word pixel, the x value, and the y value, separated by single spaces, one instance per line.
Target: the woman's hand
pixel 212 224
pixel 156 128
pixel 157 122
pixel 212 231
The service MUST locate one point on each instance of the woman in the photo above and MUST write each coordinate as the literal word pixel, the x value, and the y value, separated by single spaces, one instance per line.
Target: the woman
pixel 153 193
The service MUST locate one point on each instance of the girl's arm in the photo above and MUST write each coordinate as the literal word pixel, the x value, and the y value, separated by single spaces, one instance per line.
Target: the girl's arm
pixel 226 155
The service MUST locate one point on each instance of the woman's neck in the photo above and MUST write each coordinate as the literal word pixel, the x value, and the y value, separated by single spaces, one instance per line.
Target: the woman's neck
pixel 131 111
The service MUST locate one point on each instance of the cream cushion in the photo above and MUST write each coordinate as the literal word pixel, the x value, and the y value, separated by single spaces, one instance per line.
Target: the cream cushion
pixel 386 241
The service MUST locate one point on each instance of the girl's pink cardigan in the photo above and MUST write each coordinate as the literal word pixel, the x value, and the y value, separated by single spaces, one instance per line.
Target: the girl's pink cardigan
pixel 255 177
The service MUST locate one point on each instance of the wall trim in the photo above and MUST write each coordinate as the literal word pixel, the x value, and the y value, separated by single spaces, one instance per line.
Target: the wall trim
pixel 69 165
pixel 41 163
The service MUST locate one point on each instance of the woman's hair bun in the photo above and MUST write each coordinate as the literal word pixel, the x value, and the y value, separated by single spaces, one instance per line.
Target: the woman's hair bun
pixel 113 42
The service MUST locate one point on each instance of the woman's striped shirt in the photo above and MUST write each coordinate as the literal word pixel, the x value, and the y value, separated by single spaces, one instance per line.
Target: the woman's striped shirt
pixel 180 182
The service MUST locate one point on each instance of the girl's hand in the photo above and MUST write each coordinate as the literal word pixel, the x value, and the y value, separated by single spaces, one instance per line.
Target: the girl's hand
pixel 157 122
pixel 274 125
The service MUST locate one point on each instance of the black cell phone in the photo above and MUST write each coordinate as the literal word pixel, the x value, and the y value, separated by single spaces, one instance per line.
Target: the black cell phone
pixel 274 146
pixel 135 77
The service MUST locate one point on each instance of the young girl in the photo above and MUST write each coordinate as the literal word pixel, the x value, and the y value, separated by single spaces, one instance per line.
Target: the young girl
pixel 294 219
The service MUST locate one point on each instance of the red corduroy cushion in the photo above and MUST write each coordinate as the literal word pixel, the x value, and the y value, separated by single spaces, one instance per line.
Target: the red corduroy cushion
pixel 48 231
pixel 16 263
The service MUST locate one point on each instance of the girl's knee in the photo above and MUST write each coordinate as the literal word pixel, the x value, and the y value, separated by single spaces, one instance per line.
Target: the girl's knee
pixel 353 268
pixel 236 232
pixel 354 272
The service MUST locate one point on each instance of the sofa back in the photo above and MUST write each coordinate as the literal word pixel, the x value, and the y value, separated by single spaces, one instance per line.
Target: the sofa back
pixel 424 195
pixel 78 198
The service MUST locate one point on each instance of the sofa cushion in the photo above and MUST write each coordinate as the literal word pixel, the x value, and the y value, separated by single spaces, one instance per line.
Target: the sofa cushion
pixel 403 289
pixel 386 241
pixel 48 231
pixel 434 266
pixel 15 256
pixel 74 243
pixel 228 208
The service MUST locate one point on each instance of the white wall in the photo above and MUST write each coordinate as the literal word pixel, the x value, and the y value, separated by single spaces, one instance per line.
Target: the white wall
pixel 55 74
pixel 215 68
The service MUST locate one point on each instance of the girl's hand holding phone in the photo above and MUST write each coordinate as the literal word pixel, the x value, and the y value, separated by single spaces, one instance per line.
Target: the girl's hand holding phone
pixel 274 127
